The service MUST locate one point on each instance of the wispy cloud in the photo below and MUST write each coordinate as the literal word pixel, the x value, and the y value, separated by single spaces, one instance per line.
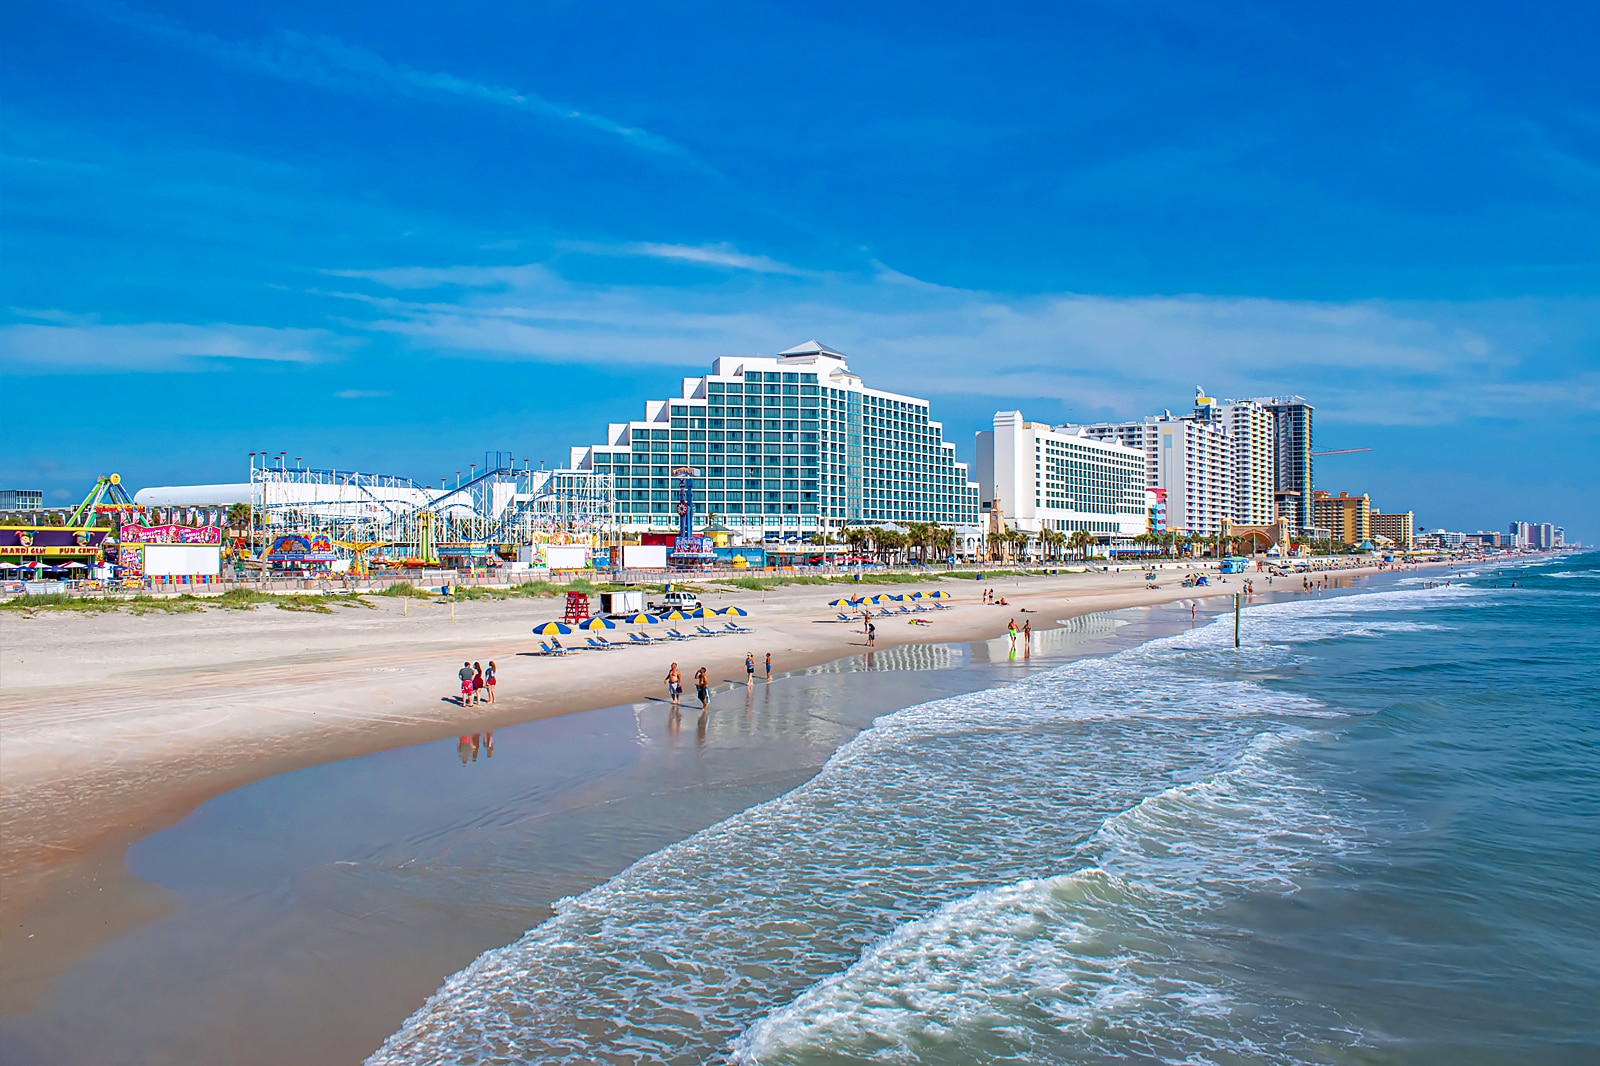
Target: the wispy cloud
pixel 362 394
pixel 325 62
pixel 71 344
pixel 1367 361
pixel 722 255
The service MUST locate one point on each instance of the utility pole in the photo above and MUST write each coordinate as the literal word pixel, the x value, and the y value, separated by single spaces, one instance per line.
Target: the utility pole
pixel 1236 619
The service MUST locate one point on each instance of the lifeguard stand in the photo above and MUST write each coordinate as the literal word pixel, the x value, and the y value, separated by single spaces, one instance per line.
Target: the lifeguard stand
pixel 577 608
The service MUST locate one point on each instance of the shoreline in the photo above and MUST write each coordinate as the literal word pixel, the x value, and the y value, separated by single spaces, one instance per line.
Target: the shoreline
pixel 294 705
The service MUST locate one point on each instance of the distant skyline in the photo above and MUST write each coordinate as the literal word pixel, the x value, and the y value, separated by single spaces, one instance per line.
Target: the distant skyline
pixel 394 237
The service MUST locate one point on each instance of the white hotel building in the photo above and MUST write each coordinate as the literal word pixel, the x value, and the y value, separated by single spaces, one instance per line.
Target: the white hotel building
pixel 1042 477
pixel 785 445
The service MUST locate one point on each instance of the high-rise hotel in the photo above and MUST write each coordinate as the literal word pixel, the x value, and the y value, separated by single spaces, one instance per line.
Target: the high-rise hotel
pixel 791 444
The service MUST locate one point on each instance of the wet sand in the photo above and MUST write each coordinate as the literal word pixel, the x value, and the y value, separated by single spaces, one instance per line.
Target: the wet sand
pixel 166 711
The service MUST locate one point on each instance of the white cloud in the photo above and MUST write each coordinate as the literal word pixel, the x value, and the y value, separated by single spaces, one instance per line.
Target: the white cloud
pixel 84 345
pixel 1368 361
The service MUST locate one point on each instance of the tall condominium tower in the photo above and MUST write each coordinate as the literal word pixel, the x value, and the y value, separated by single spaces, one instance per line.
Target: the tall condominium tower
pixel 1291 443
pixel 786 444
pixel 1253 429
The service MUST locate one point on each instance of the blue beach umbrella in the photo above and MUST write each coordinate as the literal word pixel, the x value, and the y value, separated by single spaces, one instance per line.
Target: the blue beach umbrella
pixel 916 595
pixel 642 619
pixel 843 603
pixel 737 612
pixel 597 623
pixel 939 594
pixel 552 629
pixel 675 615
pixel 702 612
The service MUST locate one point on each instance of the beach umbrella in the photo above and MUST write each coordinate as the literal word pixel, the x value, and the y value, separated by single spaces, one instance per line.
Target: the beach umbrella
pixel 897 597
pixel 597 623
pixel 552 629
pixel 843 603
pixel 916 595
pixel 642 619
pixel 737 612
pixel 675 615
pixel 938 594
pixel 703 612
pixel 857 601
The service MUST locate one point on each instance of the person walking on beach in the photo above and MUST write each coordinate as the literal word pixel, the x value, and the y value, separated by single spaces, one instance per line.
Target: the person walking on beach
pixel 488 681
pixel 769 668
pixel 465 674
pixel 750 669
pixel 477 684
pixel 872 635
pixel 1011 629
pixel 1027 631
pixel 702 688
pixel 674 682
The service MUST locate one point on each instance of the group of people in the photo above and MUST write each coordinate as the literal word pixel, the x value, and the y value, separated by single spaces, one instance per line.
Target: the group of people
pixel 1026 631
pixel 468 746
pixel 702 683
pixel 990 598
pixel 477 683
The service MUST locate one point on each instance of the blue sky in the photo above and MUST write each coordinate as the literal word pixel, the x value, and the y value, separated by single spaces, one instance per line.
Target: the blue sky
pixel 395 236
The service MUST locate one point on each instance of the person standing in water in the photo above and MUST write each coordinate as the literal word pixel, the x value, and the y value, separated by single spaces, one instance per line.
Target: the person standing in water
pixel 1027 631
pixel 702 688
pixel 769 668
pixel 674 682
pixel 1011 630
pixel 750 669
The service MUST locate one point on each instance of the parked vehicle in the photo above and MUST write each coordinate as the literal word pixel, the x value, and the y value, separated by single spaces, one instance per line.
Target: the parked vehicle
pixel 676 601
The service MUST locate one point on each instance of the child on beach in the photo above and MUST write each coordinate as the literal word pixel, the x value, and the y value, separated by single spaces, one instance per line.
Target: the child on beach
pixel 769 668
pixel 488 680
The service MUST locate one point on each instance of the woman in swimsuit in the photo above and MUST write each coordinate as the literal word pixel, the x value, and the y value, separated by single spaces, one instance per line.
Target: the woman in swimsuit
pixel 488 680
pixel 749 669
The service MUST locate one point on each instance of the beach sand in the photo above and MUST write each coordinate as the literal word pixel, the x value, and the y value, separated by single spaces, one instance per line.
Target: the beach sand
pixel 112 726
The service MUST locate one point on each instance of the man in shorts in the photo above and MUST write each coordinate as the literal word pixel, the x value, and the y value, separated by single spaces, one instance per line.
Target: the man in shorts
pixel 465 674
pixel 702 688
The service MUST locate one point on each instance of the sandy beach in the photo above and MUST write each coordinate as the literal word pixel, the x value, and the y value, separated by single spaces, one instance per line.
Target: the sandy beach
pixel 112 726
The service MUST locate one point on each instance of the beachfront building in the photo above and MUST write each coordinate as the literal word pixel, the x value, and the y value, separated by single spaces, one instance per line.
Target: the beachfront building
pixel 1253 429
pixel 1192 459
pixel 1292 418
pixel 783 447
pixel 1034 477
pixel 1347 518
pixel 1398 527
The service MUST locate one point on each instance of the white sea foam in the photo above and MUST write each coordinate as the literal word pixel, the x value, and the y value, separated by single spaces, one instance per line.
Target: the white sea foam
pixel 673 958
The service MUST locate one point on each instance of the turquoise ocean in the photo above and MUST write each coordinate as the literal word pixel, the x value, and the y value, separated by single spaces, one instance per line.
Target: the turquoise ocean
pixel 1369 835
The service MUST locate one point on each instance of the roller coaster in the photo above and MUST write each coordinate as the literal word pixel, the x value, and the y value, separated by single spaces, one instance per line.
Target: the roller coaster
pixel 387 516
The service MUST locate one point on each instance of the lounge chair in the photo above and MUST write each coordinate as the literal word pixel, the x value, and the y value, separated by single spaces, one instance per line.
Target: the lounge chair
pixel 844 618
pixel 704 632
pixel 545 649
pixel 600 643
pixel 731 628
pixel 641 638
pixel 678 635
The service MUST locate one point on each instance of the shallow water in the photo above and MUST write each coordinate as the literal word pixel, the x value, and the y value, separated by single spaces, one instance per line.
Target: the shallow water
pixel 316 909
pixel 1366 836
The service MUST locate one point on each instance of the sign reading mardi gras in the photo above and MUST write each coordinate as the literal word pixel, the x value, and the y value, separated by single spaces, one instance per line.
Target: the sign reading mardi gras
pixel 171 534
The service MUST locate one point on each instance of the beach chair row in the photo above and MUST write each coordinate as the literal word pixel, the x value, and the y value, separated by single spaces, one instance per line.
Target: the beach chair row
pixel 600 643
pixel 886 611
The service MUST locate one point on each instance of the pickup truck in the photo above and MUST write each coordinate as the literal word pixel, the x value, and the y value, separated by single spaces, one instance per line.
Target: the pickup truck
pixel 676 601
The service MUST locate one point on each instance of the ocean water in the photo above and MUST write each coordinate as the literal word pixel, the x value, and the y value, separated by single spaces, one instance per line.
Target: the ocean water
pixel 1370 835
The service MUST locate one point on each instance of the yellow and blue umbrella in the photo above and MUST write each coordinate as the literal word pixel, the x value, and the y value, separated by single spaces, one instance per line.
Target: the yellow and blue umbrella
pixel 552 629
pixel 737 612
pixel 597 623
pixel 843 603
pixel 674 615
pixel 939 594
pixel 642 619
pixel 703 612
pixel 916 595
